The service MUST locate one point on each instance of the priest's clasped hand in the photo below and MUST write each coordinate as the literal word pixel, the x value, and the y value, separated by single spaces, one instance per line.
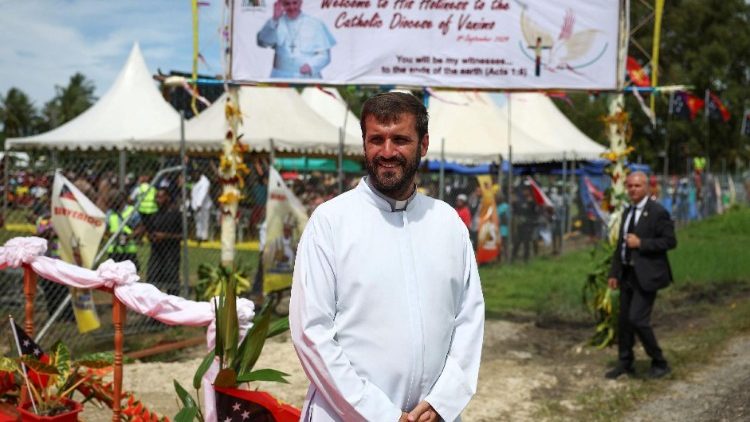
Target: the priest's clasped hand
pixel 422 413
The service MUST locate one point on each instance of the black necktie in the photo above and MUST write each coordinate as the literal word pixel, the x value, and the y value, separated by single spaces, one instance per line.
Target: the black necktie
pixel 630 229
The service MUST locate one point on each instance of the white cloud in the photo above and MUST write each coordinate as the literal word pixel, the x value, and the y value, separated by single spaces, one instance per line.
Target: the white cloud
pixel 43 43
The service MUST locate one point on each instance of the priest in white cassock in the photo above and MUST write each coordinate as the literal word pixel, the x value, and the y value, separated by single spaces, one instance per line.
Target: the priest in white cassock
pixel 387 313
pixel 301 42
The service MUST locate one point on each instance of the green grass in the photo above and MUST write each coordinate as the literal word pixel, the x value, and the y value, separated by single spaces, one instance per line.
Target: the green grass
pixel 712 251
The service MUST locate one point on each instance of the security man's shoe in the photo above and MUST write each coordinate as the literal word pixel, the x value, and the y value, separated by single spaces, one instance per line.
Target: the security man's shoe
pixel 618 370
pixel 659 372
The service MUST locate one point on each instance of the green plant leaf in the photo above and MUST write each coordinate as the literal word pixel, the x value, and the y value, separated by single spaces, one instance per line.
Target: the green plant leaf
pixel 231 329
pixel 39 367
pixel 8 364
pixel 61 358
pixel 186 414
pixel 185 397
pixel 205 364
pixel 271 375
pixel 252 344
pixel 97 360
pixel 278 327
pixel 219 348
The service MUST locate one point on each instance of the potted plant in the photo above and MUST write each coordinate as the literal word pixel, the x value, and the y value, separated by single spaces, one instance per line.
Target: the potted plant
pixel 57 379
pixel 236 362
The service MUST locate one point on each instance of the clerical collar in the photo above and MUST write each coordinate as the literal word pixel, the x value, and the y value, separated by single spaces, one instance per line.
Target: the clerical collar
pixel 395 204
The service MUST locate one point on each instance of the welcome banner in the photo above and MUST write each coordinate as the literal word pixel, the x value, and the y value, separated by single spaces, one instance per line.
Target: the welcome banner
pixel 500 44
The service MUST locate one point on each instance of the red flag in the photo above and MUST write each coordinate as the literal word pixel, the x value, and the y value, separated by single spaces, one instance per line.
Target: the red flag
pixel 30 348
pixel 716 109
pixel 686 105
pixel 242 405
pixel 540 197
pixel 637 74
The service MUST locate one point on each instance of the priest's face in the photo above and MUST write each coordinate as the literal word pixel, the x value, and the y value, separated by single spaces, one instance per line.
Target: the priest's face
pixel 392 154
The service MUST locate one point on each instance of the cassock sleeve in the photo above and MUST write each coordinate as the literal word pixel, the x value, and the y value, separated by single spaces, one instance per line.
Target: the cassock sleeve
pixel 458 382
pixel 311 319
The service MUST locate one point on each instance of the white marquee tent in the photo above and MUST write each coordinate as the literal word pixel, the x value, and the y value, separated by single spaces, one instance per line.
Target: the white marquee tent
pixel 475 130
pixel 132 108
pixel 271 116
pixel 328 103
pixel 536 115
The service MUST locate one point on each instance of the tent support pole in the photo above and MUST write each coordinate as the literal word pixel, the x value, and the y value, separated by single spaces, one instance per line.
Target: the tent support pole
pixel 573 167
pixel 441 184
pixel 340 162
pixel 500 173
pixel 342 136
pixel 566 206
pixel 121 168
pixel 6 175
pixel 271 152
pixel 510 183
pixel 183 192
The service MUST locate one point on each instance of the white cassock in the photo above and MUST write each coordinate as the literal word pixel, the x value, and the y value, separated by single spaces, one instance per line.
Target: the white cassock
pixel 386 309
pixel 200 202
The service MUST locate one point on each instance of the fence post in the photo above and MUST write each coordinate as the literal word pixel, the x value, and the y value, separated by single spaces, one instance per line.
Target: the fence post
pixel 118 320
pixel 29 291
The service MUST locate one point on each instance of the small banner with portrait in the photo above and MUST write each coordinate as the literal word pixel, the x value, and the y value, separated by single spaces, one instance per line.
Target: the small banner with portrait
pixel 286 218
pixel 494 44
pixel 79 225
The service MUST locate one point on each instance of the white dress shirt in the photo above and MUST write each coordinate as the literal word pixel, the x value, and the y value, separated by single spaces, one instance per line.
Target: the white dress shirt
pixel 638 211
pixel 386 309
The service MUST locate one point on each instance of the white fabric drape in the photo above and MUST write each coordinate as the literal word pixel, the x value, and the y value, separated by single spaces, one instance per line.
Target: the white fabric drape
pixel 142 298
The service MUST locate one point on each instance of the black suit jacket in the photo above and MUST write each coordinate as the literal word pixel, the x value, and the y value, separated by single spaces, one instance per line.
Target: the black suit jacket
pixel 656 231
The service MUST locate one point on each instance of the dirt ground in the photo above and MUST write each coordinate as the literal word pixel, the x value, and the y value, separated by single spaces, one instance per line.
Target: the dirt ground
pixel 531 370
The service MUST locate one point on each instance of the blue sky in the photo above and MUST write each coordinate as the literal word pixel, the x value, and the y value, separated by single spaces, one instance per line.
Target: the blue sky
pixel 44 42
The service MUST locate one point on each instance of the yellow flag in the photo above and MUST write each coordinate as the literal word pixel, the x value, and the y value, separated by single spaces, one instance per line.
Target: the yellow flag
pixel 488 236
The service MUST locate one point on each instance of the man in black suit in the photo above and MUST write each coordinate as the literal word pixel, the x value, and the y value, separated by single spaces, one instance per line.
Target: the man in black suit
pixel 640 268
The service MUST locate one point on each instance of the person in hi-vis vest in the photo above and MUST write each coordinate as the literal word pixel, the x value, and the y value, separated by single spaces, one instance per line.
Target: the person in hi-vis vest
pixel 125 247
pixel 147 194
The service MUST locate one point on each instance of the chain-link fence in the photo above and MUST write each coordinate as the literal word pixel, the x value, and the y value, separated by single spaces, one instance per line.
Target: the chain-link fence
pixel 169 226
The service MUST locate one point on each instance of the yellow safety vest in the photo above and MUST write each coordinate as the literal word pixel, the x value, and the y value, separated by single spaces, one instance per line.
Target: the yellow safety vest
pixel 148 203
pixel 115 219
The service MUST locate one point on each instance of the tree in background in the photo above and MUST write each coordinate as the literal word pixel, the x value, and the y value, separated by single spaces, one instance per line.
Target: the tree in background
pixel 69 101
pixel 17 114
pixel 704 44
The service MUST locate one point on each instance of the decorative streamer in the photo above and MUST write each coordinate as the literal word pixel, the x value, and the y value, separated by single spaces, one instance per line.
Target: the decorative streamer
pixel 649 112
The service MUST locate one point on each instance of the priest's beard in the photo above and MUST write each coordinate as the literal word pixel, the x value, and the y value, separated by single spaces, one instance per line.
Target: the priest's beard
pixel 392 182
